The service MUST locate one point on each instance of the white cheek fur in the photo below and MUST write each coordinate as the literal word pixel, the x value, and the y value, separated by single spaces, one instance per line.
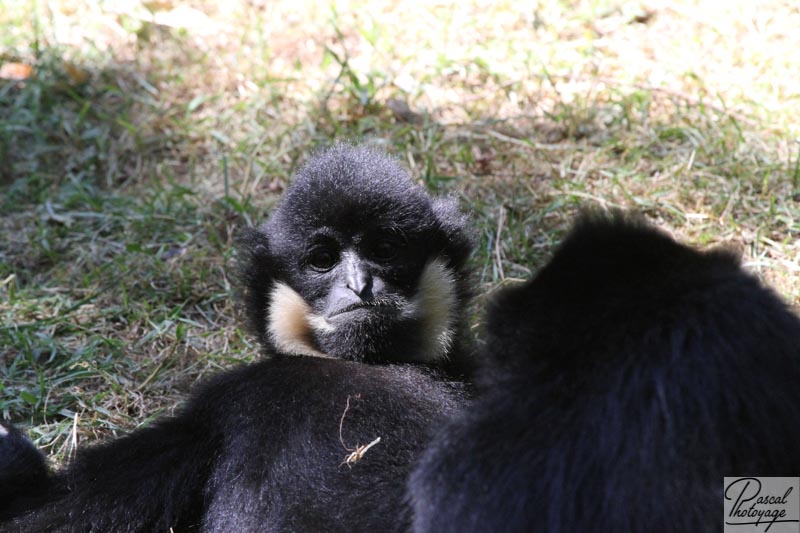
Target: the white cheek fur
pixel 291 322
pixel 433 306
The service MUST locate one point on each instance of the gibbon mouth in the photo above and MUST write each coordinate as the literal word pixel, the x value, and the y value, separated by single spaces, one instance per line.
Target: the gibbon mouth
pixel 368 307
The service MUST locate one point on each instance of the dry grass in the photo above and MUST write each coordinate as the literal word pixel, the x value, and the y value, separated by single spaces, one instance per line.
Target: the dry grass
pixel 146 135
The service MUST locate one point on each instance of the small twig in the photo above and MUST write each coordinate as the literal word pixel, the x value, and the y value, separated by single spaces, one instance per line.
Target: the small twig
pixel 358 452
pixel 341 421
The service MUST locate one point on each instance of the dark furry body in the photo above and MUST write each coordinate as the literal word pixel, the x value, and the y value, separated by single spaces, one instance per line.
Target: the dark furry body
pixel 625 381
pixel 23 472
pixel 218 465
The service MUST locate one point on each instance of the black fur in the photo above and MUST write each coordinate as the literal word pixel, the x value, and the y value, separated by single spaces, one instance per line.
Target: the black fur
pixel 23 472
pixel 625 381
pixel 258 449
pixel 349 196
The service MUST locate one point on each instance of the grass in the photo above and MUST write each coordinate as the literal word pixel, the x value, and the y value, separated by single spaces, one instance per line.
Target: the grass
pixel 146 133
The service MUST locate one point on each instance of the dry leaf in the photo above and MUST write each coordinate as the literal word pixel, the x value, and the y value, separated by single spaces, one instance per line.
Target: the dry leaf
pixel 16 71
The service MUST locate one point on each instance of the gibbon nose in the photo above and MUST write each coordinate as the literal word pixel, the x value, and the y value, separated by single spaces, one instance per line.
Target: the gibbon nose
pixel 357 278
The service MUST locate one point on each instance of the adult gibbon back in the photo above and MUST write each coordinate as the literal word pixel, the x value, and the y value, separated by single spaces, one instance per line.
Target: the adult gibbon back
pixel 625 380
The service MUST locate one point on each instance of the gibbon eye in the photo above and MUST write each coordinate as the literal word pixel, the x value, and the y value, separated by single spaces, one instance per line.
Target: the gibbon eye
pixel 385 249
pixel 322 259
